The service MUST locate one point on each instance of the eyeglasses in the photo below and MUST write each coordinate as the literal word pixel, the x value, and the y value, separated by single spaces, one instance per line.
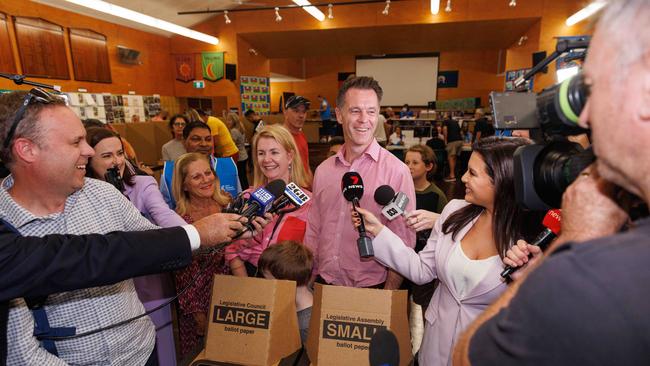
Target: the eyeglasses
pixel 179 124
pixel 35 95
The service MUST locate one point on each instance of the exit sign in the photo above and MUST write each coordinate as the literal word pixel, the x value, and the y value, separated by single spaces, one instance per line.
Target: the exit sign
pixel 199 84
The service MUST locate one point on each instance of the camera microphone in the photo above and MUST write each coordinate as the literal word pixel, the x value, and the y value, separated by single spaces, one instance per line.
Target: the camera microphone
pixel 553 224
pixel 394 204
pixel 352 188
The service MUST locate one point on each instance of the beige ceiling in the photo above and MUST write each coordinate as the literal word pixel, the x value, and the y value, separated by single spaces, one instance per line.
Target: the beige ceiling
pixel 417 38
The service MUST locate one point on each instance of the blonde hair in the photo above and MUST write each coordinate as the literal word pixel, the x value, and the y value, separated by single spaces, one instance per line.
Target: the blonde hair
pixel 233 121
pixel 282 136
pixel 180 173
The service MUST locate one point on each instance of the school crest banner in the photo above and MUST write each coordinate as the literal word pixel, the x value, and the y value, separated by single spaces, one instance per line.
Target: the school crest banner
pixel 212 64
pixel 185 67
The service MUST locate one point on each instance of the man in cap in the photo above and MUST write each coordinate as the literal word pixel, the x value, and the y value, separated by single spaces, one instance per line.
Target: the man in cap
pixel 295 113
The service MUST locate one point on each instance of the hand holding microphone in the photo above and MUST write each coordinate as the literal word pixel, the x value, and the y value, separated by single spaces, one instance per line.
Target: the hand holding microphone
pixel 520 255
pixel 372 223
pixel 352 189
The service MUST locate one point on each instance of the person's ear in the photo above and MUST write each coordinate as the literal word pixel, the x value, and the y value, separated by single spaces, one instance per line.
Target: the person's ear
pixel 25 149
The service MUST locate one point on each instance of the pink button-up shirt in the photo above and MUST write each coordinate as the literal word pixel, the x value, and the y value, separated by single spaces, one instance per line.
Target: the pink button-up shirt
pixel 330 233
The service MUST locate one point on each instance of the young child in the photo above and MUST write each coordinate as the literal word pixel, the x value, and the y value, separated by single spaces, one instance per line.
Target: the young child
pixel 290 260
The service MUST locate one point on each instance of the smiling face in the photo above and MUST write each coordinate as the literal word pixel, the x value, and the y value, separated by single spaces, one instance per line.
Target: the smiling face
pixel 294 118
pixel 64 153
pixel 199 140
pixel 479 188
pixel 200 181
pixel 358 115
pixel 273 159
pixel 108 153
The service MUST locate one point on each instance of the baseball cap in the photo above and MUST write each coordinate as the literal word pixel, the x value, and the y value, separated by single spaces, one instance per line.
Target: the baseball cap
pixel 295 101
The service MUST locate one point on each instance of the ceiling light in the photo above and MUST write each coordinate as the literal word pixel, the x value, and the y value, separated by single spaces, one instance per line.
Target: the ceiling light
pixel 147 20
pixel 513 3
pixel 385 11
pixel 435 6
pixel 586 12
pixel 225 15
pixel 278 18
pixel 330 13
pixel 312 10
pixel 522 40
pixel 448 7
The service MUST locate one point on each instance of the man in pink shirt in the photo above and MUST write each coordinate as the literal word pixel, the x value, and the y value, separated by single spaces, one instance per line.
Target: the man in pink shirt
pixel 330 233
pixel 295 113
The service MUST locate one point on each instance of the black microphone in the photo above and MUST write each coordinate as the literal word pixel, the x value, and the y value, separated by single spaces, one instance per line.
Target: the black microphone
pixel 384 349
pixel 292 195
pixel 352 188
pixel 553 224
pixel 394 204
pixel 262 198
pixel 113 177
pixel 237 204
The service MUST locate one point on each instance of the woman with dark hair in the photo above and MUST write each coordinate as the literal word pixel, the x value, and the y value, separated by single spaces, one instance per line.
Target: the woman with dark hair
pixel 174 148
pixel 465 249
pixel 110 164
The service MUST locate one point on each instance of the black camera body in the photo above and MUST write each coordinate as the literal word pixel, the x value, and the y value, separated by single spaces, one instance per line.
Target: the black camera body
pixel 543 171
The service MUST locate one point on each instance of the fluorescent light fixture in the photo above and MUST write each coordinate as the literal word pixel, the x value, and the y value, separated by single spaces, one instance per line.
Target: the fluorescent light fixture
pixel 311 9
pixel 120 12
pixel 563 74
pixel 435 6
pixel 585 12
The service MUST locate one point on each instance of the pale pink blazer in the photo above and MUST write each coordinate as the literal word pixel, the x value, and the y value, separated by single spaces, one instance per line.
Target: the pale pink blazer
pixel 448 314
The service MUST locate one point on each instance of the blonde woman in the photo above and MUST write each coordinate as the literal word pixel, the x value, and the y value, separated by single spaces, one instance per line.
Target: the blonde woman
pixel 275 156
pixel 196 188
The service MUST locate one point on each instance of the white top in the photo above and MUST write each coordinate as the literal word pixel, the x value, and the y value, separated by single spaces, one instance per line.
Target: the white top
pixel 466 273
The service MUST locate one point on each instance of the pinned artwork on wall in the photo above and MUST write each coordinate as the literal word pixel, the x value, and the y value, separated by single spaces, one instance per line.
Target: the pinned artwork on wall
pixel 448 79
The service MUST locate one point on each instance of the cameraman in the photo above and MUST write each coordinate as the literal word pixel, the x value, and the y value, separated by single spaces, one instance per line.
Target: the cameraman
pixel 587 303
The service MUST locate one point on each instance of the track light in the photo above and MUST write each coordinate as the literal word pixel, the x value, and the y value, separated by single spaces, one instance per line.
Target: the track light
pixel 278 18
pixel 513 3
pixel 435 6
pixel 330 13
pixel 225 16
pixel 522 40
pixel 385 11
pixel 448 7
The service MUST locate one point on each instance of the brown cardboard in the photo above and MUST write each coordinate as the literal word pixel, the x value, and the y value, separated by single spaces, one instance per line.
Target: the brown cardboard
pixel 252 321
pixel 344 319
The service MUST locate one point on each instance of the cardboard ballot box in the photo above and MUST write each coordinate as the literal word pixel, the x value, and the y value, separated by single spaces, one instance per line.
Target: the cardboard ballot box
pixel 344 319
pixel 252 321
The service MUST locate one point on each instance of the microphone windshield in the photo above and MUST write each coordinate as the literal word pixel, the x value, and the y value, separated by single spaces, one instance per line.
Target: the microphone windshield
pixel 553 221
pixel 352 186
pixel 384 194
pixel 384 349
pixel 276 187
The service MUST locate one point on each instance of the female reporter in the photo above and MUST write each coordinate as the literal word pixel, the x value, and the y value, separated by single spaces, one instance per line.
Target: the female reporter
pixel 196 188
pixel 145 195
pixel 275 156
pixel 465 248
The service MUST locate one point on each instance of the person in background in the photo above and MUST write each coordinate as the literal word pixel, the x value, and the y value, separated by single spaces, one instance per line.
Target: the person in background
pixel 324 109
pixel 429 203
pixel 175 147
pixel 468 137
pixel 224 146
pixel 396 138
pixel 144 194
pixel 380 130
pixel 253 118
pixel 465 248
pixel 237 131
pixel 482 128
pixel 295 113
pixel 276 156
pixel 196 188
pixel 135 118
pixel 406 112
pixel 290 260
pixel 453 144
pixel 161 116
pixel 128 148
pixel 335 145
pixel 330 235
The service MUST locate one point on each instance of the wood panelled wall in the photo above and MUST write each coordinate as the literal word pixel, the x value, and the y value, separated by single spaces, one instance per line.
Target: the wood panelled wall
pixel 89 56
pixel 41 47
pixel 7 59
pixel 154 76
